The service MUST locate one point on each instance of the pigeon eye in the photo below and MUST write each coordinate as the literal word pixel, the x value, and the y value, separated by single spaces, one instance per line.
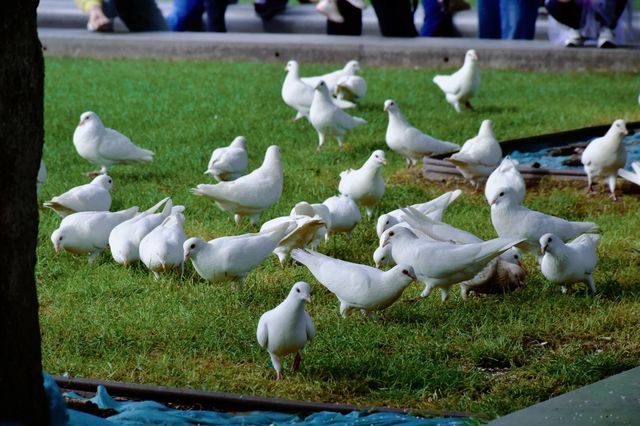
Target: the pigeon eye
pixel 109 180
pixel 516 257
pixel 193 246
pixel 298 290
pixel 383 257
pixel 391 234
pixel 549 240
pixel 502 194
pixel 60 239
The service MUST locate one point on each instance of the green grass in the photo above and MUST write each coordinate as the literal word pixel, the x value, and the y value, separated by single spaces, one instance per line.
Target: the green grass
pixel 487 355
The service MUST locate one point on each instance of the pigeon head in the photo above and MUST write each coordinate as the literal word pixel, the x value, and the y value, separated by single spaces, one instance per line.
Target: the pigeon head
pixel 57 239
pixel 503 196
pixel 352 67
pixel 89 118
pixel 191 246
pixel 619 127
pixel 377 158
pixel 508 164
pixel 239 142
pixel 104 181
pixel 394 233
pixel 403 273
pixel 486 128
pixel 382 256
pixel 471 56
pixel 301 290
pixel 548 243
pixel 512 256
pixel 390 105
pixel 322 87
pixel 291 65
pixel 385 222
pixel 272 155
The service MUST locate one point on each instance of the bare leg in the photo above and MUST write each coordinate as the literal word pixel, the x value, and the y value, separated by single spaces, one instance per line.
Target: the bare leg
pixel 589 184
pixel 427 291
pixel 320 141
pixel 444 293
pixel 611 180
pixel 237 218
pixel 277 366
pixel 592 285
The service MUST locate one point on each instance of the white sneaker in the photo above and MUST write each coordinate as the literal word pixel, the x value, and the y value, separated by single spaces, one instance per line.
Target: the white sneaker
pixel 605 38
pixel 329 8
pixel 574 38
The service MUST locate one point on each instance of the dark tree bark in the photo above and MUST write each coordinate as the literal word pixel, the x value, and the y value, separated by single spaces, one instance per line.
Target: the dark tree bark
pixel 22 399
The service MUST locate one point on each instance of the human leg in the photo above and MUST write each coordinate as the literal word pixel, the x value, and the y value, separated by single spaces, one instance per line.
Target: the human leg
pixel 438 22
pixel 395 17
pixel 352 24
pixel 215 15
pixel 518 19
pixel 609 12
pixel 141 15
pixel 488 19
pixel 567 13
pixel 186 15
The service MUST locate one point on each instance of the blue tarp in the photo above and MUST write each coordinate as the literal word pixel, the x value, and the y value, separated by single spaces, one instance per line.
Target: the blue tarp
pixel 154 413
pixel 542 157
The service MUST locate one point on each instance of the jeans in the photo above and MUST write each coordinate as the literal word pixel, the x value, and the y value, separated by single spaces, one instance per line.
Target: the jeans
pixel 352 24
pixel 437 21
pixel 187 15
pixel 507 19
pixel 137 15
pixel 570 14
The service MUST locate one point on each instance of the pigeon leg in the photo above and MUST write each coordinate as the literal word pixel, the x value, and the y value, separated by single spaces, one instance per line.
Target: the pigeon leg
pixel 182 270
pixel 237 219
pixel 369 211
pixel 592 285
pixel 456 106
pixel 444 293
pixel 611 180
pixel 344 308
pixel 298 116
pixel 564 289
pixel 254 219
pixel 94 255
pixel 589 184
pixel 468 105
pixel 464 291
pixel 296 362
pixel 320 141
pixel 156 276
pixel 408 160
pixel 340 138
pixel 426 291
pixel 275 360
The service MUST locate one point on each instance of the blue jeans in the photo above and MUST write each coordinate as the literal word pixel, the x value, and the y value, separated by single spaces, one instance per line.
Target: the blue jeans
pixel 507 19
pixel 187 15
pixel 137 15
pixel 437 22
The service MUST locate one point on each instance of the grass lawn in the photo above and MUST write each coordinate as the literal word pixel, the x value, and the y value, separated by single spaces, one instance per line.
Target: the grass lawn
pixel 487 355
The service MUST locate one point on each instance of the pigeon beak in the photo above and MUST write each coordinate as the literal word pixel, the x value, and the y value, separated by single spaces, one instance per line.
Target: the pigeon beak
pixel 543 249
pixel 378 265
pixel 186 256
pixel 386 108
pixel 630 132
pixel 493 202
pixel 385 242
pixel 384 162
pixel 57 248
pixel 308 299
pixel 207 172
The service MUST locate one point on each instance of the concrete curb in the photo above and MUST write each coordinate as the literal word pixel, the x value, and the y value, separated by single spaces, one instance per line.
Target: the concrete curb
pixel 370 50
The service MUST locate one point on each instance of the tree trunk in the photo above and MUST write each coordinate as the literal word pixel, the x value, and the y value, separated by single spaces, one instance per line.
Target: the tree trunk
pixel 22 398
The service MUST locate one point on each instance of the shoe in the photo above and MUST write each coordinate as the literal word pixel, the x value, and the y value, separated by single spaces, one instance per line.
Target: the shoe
pixel 574 38
pixel 329 8
pixel 605 38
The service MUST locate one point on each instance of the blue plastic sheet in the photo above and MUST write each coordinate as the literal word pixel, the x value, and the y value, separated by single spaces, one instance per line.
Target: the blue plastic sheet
pixel 631 142
pixel 154 413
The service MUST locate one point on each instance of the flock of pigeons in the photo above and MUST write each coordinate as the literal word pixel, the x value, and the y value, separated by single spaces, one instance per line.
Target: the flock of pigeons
pixel 413 241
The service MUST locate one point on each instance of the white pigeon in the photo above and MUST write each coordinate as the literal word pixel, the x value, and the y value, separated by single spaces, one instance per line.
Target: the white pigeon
pixel 301 232
pixel 463 84
pixel 511 220
pixel 357 286
pixel 345 214
pixel 317 209
pixel 352 88
pixel 251 194
pixel 328 119
pixel 505 175
pixel 299 95
pixel 125 238
pixel 91 197
pixel 88 232
pixel 105 146
pixel 434 208
pixel 161 249
pixel 287 328
pixel 331 79
pixel 605 155
pixel 42 176
pixel 365 185
pixel 410 142
pixel 503 274
pixel 230 162
pixel 463 261
pixel 231 258
pixel 479 156
pixel 633 177
pixel 566 264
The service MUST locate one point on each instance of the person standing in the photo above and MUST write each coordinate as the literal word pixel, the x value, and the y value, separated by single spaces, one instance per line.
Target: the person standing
pixel 507 19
